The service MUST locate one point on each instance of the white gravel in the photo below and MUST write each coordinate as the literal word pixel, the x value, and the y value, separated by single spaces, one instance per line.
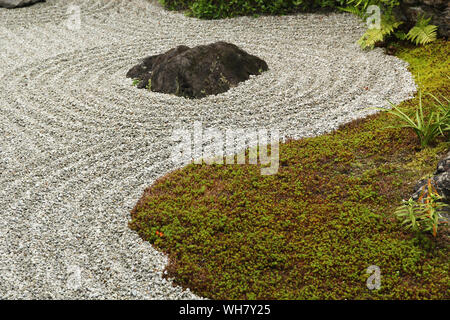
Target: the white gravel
pixel 79 144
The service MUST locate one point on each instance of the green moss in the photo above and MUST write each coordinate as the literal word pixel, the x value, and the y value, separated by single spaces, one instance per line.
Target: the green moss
pixel 426 156
pixel 311 231
pixel 429 65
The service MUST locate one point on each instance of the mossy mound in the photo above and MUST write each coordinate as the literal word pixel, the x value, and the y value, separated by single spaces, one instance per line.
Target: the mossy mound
pixel 312 230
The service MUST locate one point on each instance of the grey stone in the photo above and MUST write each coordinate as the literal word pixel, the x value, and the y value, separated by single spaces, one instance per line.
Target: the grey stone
pixel 199 71
pixel 17 3
pixel 434 3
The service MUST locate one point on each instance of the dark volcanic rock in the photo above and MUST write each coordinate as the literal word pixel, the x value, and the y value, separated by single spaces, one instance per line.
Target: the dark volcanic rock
pixel 17 3
pixel 197 72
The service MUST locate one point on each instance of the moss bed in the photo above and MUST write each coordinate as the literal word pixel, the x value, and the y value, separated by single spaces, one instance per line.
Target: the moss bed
pixel 312 230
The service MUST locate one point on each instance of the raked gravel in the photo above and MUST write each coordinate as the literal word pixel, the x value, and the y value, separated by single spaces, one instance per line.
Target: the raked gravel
pixel 79 143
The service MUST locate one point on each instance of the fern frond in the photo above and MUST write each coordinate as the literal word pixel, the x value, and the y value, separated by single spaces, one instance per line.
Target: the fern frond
pixel 400 35
pixel 370 38
pixel 353 10
pixel 422 32
pixel 387 26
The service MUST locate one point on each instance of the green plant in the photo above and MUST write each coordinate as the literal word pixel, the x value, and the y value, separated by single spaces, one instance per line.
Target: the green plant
pixel 149 85
pixel 357 11
pixel 428 128
pixel 372 36
pixel 135 82
pixel 359 7
pixel 444 109
pixel 423 215
pixel 422 32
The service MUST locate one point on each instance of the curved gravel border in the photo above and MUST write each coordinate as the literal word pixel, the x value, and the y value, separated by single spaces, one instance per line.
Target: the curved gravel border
pixel 79 144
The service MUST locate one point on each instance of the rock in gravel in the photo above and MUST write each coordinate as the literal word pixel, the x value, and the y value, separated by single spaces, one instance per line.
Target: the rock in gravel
pixel 17 3
pixel 197 72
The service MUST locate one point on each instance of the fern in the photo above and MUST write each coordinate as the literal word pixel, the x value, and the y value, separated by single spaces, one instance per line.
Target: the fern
pixel 370 38
pixel 400 35
pixel 422 32
pixel 356 7
pixel 353 10
pixel 388 25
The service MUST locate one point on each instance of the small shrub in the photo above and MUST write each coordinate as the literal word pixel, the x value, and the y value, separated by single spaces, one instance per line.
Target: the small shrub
pixel 423 215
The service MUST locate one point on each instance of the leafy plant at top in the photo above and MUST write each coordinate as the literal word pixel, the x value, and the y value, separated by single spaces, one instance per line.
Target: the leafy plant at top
pixel 427 129
pixel 388 24
pixel 423 215
pixel 360 12
pixel 216 9
pixel 360 7
pixel 422 32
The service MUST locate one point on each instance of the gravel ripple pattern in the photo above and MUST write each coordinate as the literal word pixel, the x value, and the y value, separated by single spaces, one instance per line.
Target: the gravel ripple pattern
pixel 79 143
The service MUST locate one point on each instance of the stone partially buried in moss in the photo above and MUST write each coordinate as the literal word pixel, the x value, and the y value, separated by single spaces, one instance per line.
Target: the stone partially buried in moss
pixel 197 72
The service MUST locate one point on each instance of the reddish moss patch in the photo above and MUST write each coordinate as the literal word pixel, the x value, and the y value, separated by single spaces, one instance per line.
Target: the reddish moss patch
pixel 311 231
